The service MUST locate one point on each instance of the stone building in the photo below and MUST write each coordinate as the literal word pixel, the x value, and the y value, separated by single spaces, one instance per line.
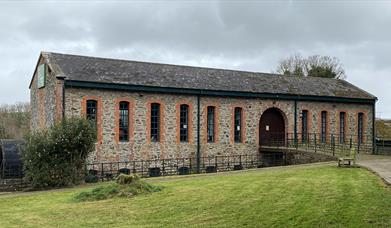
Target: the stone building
pixel 147 110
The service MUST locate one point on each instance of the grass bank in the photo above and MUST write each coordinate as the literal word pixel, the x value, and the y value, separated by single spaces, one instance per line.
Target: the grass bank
pixel 307 196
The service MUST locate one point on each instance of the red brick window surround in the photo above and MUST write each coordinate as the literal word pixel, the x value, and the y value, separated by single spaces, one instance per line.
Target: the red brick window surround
pixel 323 127
pixel 123 128
pixel 342 127
pixel 124 120
pixel 184 123
pixel 92 109
pixel 155 122
pixel 360 128
pixel 238 125
pixel 211 124
pixel 304 126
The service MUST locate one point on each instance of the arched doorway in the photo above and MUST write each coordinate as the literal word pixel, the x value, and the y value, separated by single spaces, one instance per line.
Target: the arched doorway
pixel 272 128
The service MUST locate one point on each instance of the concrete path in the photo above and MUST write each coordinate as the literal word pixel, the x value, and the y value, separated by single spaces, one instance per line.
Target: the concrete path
pixel 381 165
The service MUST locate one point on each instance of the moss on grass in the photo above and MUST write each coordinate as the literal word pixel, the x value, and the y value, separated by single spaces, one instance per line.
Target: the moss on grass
pixel 126 186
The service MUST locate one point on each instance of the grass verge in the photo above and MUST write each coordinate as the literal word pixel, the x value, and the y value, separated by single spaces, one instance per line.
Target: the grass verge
pixel 306 196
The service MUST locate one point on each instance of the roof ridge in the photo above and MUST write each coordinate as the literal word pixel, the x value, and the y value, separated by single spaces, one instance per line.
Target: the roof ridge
pixel 139 73
pixel 255 73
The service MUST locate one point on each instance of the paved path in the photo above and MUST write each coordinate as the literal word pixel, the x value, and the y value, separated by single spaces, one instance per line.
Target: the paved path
pixel 381 165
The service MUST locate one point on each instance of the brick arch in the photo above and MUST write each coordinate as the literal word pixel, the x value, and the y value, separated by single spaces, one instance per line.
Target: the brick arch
pixel 190 120
pixel 365 115
pixel 280 125
pixel 162 120
pixel 216 121
pixel 243 123
pixel 328 125
pixel 262 111
pixel 131 118
pixel 99 114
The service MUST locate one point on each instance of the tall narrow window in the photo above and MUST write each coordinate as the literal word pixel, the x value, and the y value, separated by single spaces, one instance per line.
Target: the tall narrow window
pixel 323 127
pixel 124 121
pixel 238 125
pixel 155 122
pixel 360 127
pixel 92 110
pixel 211 124
pixel 304 125
pixel 184 123
pixel 342 120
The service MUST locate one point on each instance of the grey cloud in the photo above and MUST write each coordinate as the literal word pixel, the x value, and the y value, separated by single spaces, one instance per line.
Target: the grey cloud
pixel 245 35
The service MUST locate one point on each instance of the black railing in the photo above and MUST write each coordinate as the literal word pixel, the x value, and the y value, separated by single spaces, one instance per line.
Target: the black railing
pixel 331 144
pixel 11 170
pixel 183 166
pixel 103 171
pixel 383 146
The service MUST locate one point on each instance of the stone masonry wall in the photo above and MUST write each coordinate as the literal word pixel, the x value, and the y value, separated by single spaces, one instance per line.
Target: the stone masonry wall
pixel 108 147
pixel 46 102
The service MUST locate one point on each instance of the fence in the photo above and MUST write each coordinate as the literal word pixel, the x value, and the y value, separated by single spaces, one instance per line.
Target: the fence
pixel 11 170
pixel 331 144
pixel 11 177
pixel 183 166
pixel 383 147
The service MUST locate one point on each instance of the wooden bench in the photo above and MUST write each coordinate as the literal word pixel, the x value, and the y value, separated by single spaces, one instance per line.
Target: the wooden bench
pixel 349 159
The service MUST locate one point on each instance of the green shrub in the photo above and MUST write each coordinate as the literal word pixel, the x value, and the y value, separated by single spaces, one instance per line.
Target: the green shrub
pixel 135 187
pixel 56 157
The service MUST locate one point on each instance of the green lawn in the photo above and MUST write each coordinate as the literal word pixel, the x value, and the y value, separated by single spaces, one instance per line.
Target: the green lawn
pixel 302 196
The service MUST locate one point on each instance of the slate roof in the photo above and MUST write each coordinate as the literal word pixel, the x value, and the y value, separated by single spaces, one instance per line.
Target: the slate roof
pixel 103 70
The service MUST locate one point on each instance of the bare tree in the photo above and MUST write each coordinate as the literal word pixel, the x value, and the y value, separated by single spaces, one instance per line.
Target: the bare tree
pixel 293 65
pixel 14 120
pixel 313 66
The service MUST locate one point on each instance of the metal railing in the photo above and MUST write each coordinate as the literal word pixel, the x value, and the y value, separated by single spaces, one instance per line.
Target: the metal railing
pixel 331 144
pixel 11 170
pixel 181 166
pixel 383 146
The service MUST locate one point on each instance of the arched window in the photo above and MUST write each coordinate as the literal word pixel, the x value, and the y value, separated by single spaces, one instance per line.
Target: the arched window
pixel 155 122
pixel 342 130
pixel 304 126
pixel 238 125
pixel 360 128
pixel 92 110
pixel 211 124
pixel 123 121
pixel 323 132
pixel 184 123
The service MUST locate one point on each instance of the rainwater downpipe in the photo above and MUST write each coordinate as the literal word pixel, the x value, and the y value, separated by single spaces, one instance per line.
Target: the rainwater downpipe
pixel 198 155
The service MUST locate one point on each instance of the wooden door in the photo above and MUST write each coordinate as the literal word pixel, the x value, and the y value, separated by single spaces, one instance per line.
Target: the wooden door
pixel 272 128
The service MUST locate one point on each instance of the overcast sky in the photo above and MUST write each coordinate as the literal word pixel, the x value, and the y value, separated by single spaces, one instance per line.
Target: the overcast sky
pixel 240 35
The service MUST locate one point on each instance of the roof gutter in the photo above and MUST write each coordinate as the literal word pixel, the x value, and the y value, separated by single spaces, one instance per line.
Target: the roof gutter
pixel 220 93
